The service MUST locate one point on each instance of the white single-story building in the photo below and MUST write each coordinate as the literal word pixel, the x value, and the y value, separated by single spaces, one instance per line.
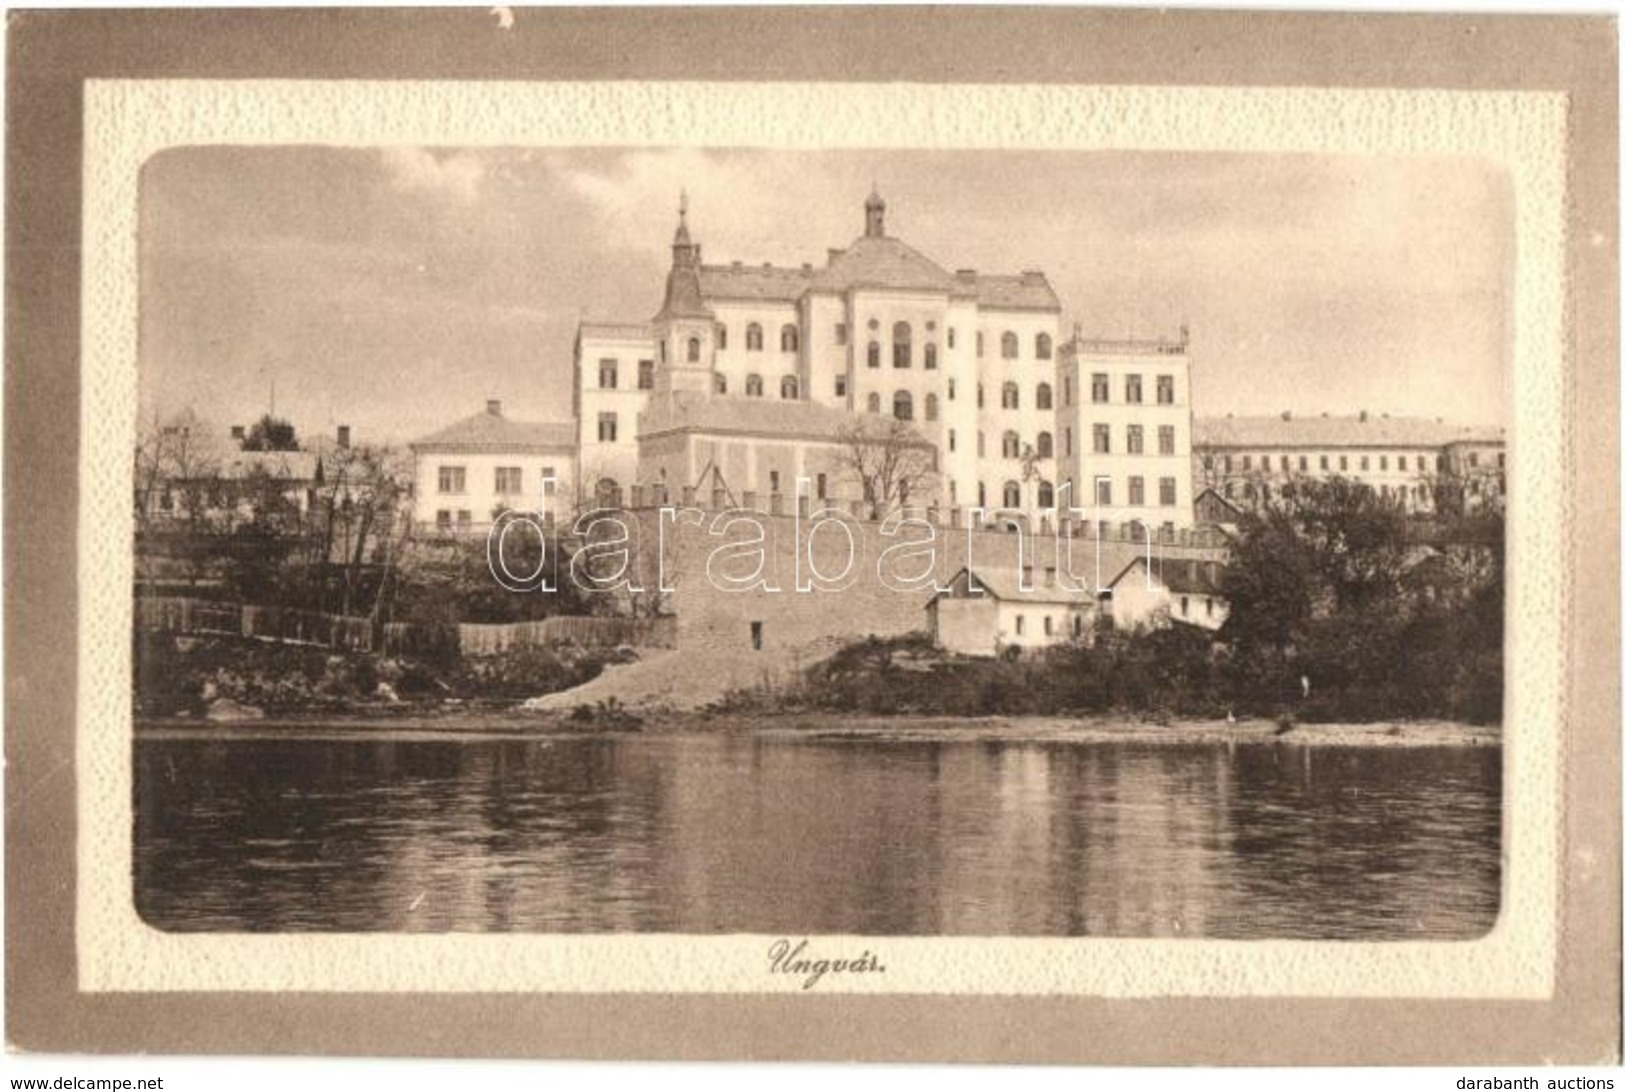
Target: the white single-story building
pixel 1160 592
pixel 988 610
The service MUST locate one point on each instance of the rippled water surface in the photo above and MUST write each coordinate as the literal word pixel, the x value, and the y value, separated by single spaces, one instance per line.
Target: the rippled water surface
pixel 729 833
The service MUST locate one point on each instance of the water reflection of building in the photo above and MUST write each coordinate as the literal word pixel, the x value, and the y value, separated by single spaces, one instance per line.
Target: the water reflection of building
pixel 1084 840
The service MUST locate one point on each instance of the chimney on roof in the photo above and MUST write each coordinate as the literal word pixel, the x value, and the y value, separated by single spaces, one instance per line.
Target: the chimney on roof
pixel 835 253
pixel 493 406
pixel 237 432
pixel 965 274
pixel 737 264
pixel 1032 277
pixel 1286 415
pixel 806 267
pixel 344 436
pixel 1364 417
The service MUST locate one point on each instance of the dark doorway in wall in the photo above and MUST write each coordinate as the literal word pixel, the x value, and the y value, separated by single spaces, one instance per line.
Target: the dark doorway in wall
pixel 756 636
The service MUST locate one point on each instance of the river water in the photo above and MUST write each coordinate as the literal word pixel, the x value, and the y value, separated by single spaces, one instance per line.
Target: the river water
pixel 732 833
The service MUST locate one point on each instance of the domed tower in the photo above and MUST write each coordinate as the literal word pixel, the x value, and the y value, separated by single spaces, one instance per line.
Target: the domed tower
pixel 874 215
pixel 685 325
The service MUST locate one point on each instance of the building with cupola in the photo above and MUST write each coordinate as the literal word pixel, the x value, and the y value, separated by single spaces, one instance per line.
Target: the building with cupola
pixel 745 377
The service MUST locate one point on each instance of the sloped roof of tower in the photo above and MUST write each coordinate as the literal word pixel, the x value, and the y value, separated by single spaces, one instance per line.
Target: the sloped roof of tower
pixel 684 298
pixel 489 431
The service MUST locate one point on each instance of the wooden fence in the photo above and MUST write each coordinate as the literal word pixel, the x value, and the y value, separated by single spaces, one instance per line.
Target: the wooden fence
pixel 204 617
pixel 492 640
pixel 176 614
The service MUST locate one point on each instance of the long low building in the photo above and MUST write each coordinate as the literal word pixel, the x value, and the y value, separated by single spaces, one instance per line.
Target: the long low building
pixel 1245 459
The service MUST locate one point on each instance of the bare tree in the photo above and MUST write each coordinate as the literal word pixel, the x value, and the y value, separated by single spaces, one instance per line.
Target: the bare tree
pixel 180 485
pixel 362 502
pixel 888 458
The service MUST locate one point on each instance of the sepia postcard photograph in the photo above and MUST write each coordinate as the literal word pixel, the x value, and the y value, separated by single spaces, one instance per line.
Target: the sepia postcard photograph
pixel 707 564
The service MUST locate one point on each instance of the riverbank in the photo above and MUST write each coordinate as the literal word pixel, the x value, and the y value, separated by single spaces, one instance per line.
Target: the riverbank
pixel 545 724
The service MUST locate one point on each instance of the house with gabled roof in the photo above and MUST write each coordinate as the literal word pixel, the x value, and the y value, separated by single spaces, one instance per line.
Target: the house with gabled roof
pixel 1154 592
pixel 986 610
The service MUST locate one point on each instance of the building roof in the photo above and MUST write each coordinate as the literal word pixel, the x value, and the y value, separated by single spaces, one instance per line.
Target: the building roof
pixel 1335 432
pixel 493 432
pixel 744 416
pixel 1029 291
pixel 880 261
pixel 289 465
pixel 1179 575
pixel 1004 584
pixel 754 283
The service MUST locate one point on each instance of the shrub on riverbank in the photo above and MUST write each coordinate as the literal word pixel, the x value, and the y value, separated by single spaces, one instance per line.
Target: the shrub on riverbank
pixel 1158 675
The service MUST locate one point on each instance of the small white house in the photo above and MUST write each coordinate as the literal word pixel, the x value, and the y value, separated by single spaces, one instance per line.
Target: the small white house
pixel 1150 595
pixel 988 610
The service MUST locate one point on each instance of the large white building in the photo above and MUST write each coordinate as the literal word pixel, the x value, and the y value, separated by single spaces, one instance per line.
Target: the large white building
pixel 739 384
pixel 1246 460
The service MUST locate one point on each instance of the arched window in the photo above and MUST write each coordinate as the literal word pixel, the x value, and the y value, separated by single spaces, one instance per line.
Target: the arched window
pixel 902 339
pixel 1012 445
pixel 981 494
pixel 1012 494
pixel 981 396
pixel 874 354
pixel 874 402
pixel 902 406
pixel 930 407
pixel 1010 396
pixel 693 350
pixel 1009 347
pixel 1045 347
pixel 930 356
pixel 1046 397
pixel 722 336
pixel 753 386
pixel 951 388
pixel 789 338
pixel 1046 445
pixel 1046 494
pixel 719 383
pixel 789 388
pixel 753 338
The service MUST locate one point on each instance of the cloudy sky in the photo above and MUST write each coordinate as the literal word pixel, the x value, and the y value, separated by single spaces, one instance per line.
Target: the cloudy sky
pixel 397 289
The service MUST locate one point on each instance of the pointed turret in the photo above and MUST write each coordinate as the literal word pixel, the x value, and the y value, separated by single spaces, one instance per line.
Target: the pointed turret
pixel 683 299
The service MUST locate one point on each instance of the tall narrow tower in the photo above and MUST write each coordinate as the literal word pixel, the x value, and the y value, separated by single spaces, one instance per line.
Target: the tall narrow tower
pixel 685 325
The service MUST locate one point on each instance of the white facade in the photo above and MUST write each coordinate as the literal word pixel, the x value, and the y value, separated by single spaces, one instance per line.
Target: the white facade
pixel 469 472
pixel 1123 425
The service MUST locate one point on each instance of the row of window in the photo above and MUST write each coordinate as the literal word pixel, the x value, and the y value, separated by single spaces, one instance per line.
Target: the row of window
pixel 902 336
pixel 1416 494
pixel 1049 625
pixel 1100 389
pixel 509 481
pixel 1167 493
pixel 609 371
pixel 1284 463
pixel 1134 435
pixel 789 338
pixel 789 386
